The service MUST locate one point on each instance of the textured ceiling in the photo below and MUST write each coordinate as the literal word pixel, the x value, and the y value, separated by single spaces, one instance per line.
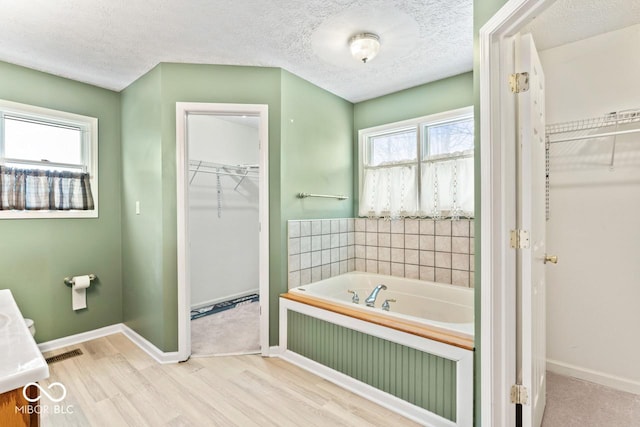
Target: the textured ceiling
pixel 567 21
pixel 112 43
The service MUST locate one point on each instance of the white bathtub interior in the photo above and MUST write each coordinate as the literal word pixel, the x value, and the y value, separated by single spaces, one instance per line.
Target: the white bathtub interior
pixel 429 303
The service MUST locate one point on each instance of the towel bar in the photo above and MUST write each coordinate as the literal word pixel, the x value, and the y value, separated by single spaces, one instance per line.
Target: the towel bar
pixel 326 196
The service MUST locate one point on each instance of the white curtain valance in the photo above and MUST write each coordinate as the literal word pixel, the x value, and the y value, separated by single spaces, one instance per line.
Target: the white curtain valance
pixel 446 190
pixel 390 192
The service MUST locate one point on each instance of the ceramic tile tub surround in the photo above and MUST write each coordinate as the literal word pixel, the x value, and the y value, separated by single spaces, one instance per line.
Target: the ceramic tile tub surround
pixel 435 250
pixel 323 248
pixel 426 249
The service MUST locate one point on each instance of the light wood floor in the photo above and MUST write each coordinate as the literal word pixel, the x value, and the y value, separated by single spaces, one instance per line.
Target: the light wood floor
pixel 114 383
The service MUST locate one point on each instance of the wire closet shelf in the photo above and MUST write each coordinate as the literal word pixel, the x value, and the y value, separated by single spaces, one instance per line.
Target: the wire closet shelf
pixel 592 128
pixel 242 171
pixel 606 123
pixel 220 169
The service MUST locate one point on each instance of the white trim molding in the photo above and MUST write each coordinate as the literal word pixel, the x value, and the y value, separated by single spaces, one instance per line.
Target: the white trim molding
pixel 463 359
pixel 602 378
pixel 80 338
pixel 153 351
pixel 149 348
pixel 498 204
pixel 183 109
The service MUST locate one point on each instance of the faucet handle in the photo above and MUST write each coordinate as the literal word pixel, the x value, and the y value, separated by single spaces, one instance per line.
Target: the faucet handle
pixel 385 304
pixel 355 298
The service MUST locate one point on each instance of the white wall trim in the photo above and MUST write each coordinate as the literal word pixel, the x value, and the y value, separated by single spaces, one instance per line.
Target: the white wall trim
pixel 386 400
pixel 182 217
pixel 602 378
pixel 462 357
pixel 119 328
pixel 498 334
pixel 153 351
pixel 274 351
pixel 80 338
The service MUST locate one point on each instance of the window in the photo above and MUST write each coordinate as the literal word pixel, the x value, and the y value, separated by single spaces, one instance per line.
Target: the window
pixel 419 168
pixel 48 163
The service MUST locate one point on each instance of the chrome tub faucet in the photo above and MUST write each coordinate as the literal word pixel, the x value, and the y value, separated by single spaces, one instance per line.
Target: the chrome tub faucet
pixel 385 304
pixel 354 298
pixel 371 299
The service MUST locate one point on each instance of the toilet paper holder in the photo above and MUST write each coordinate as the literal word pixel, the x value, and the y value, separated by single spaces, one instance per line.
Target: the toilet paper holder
pixel 70 282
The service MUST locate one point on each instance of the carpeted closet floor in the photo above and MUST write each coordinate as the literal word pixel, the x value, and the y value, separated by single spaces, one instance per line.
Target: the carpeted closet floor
pixel 233 331
pixel 576 403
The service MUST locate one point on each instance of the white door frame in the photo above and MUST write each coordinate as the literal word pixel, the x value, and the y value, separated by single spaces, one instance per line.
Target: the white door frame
pixel 183 109
pixel 498 209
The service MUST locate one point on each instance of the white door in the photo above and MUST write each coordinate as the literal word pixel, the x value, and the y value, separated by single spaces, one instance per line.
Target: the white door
pixel 531 363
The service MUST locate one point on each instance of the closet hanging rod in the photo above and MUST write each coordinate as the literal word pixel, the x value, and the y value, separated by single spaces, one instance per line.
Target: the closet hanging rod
pixel 325 196
pixel 612 119
pixel 243 168
pixel 223 173
pixel 597 135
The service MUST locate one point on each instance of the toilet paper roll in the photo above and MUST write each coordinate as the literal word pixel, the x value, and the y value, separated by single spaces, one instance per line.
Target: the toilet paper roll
pixel 79 292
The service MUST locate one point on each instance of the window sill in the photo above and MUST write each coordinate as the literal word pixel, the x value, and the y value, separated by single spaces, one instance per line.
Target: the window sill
pixel 48 214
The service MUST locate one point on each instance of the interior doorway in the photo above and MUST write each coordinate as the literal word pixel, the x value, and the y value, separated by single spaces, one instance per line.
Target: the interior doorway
pixel 222 242
pixel 224 174
pixel 501 239
pixel 579 233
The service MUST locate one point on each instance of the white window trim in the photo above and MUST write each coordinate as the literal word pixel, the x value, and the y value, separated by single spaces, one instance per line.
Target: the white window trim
pixel 417 123
pixel 89 156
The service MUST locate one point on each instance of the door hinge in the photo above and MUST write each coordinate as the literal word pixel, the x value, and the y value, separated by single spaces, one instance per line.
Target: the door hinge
pixel 519 394
pixel 519 239
pixel 519 82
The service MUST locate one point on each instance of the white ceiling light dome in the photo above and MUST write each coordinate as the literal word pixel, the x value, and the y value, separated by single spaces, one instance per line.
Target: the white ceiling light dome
pixel 364 46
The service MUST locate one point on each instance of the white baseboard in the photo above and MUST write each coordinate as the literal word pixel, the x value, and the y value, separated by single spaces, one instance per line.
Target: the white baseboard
pixel 149 348
pixel 80 338
pixel 597 377
pixel 273 351
pixel 406 409
pixel 225 298
pixel 136 338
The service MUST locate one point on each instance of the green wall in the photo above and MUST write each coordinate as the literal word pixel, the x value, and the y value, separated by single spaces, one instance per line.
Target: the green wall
pixel 311 148
pixel 316 157
pixel 226 84
pixel 38 253
pixel 442 95
pixel 142 239
pixel 150 269
pixel 304 155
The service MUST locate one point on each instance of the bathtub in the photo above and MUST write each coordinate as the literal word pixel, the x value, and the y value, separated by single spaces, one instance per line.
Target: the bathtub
pixel 441 307
pixel 415 359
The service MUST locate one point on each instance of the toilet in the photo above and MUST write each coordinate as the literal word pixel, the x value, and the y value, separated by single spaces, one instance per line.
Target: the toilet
pixel 31 326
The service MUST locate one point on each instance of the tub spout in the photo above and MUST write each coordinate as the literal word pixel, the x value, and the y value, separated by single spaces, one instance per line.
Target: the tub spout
pixel 371 299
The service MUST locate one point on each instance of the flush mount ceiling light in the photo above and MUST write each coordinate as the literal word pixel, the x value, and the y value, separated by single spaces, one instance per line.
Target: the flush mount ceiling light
pixel 364 46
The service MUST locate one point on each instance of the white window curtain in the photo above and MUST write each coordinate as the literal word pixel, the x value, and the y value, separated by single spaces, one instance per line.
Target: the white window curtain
pixel 447 188
pixel 390 191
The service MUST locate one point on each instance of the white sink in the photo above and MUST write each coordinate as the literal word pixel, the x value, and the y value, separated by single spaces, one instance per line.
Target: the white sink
pixel 21 361
pixel 4 320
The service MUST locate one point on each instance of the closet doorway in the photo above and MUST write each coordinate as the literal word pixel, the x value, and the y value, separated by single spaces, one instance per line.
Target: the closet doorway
pixel 222 244
pixel 592 129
